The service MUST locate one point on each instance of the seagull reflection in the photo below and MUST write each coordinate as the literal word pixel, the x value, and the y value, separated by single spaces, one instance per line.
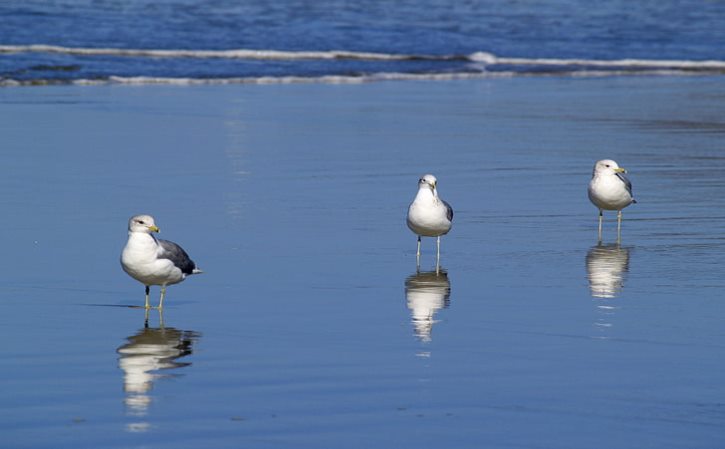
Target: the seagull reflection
pixel 146 353
pixel 607 266
pixel 426 293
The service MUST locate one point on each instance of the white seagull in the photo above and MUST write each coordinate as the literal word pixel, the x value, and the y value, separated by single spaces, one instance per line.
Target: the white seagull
pixel 153 261
pixel 609 189
pixel 428 215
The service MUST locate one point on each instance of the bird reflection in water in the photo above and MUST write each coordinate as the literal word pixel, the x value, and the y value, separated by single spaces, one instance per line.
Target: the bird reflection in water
pixel 607 267
pixel 426 292
pixel 142 359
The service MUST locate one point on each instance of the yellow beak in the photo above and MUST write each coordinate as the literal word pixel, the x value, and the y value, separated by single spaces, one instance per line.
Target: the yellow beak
pixel 620 170
pixel 154 229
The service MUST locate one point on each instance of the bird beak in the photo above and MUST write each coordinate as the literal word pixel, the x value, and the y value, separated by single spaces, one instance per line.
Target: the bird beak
pixel 154 229
pixel 620 170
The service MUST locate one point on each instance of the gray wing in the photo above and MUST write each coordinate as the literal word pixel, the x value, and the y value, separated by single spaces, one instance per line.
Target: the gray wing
pixel 177 255
pixel 449 211
pixel 626 182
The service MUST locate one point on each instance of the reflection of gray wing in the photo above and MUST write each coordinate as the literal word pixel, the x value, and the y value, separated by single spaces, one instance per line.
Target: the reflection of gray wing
pixel 626 182
pixel 177 255
pixel 449 211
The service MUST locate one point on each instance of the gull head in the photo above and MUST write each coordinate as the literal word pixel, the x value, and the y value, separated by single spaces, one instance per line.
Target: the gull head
pixel 142 223
pixel 428 181
pixel 607 167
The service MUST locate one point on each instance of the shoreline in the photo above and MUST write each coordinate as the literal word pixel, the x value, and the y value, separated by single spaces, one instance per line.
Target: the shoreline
pixel 362 79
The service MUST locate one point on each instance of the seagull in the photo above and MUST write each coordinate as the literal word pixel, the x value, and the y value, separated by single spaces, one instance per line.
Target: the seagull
pixel 428 215
pixel 153 261
pixel 609 189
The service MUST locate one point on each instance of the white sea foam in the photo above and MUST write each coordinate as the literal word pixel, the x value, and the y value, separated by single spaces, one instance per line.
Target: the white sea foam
pixel 332 79
pixel 481 57
pixel 327 79
pixel 225 54
pixel 476 66
pixel 615 63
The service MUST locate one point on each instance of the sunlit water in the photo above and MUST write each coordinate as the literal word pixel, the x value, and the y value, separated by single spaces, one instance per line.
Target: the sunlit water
pixel 310 326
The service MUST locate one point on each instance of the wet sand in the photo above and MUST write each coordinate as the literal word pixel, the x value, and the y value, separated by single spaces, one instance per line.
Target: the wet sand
pixel 309 327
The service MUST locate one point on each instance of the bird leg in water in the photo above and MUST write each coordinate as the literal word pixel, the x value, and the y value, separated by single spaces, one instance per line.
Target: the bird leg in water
pixel 600 225
pixel 161 301
pixel 146 319
pixel 417 255
pixel 438 252
pixel 619 226
pixel 147 297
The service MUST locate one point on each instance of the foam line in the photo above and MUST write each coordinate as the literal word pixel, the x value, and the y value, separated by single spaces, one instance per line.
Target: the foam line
pixel 490 59
pixel 336 79
pixel 484 58
pixel 226 54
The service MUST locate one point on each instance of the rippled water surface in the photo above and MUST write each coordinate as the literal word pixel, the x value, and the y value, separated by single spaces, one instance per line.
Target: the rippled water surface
pixel 310 326
pixel 255 41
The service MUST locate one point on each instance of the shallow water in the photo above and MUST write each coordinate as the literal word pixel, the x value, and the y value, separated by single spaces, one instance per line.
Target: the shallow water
pixel 310 326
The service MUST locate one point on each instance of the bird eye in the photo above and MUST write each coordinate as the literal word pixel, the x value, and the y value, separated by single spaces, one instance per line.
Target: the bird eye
pixel 140 222
pixel 608 166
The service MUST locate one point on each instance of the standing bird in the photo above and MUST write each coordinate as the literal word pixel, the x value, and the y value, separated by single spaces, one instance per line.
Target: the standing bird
pixel 429 215
pixel 609 189
pixel 153 261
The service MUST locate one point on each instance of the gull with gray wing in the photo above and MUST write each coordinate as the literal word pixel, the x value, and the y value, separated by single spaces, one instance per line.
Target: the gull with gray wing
pixel 153 261
pixel 610 189
pixel 429 215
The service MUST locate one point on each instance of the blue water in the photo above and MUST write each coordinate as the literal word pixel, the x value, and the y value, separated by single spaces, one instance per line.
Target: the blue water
pixel 311 327
pixel 476 38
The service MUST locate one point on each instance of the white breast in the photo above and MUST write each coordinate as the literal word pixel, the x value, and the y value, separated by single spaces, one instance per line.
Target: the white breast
pixel 140 260
pixel 428 215
pixel 609 192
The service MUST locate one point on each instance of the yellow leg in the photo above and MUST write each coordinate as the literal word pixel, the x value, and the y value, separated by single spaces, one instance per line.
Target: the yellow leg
pixel 161 301
pixel 147 297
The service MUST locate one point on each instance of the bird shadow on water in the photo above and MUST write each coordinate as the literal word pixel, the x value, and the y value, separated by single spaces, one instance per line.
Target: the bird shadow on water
pixel 147 356
pixel 426 292
pixel 607 269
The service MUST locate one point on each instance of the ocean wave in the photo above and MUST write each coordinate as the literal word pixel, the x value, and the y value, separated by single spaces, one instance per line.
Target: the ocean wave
pixel 483 58
pixel 490 59
pixel 223 54
pixel 331 79
pixel 325 79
